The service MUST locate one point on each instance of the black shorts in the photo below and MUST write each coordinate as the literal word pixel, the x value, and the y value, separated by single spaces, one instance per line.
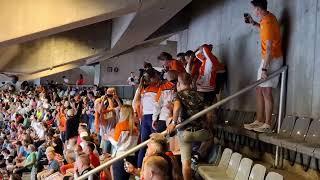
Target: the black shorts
pixel 220 81
pixel 209 97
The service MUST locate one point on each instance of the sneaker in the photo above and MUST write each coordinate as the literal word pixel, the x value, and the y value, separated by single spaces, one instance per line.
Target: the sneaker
pixel 253 125
pixel 262 129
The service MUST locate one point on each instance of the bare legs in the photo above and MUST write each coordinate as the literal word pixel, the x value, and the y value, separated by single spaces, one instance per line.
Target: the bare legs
pixel 264 104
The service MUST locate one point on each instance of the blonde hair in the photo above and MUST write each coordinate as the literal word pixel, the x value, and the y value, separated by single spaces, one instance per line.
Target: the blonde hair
pixel 127 112
pixel 158 165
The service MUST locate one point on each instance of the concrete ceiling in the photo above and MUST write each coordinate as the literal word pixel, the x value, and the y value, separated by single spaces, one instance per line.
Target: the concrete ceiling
pixel 52 44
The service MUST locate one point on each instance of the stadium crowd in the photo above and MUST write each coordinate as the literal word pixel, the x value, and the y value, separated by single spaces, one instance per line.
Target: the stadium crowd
pixel 64 132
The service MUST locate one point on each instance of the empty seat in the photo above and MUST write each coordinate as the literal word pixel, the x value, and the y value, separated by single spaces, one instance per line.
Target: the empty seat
pixel 209 172
pixel 298 134
pixel 274 176
pixel 312 140
pixel 225 158
pixel 258 172
pixel 235 173
pixel 285 132
pixel 223 163
pixel 244 169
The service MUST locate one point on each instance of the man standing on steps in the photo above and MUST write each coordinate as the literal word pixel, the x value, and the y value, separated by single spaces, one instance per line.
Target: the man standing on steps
pixel 272 60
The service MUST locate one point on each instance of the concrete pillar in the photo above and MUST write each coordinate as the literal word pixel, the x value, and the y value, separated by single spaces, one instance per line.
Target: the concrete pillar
pixel 97 69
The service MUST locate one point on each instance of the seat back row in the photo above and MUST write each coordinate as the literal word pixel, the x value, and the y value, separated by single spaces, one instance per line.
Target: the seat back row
pixel 238 168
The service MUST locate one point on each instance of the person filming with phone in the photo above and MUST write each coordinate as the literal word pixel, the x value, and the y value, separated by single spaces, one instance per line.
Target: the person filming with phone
pixel 272 60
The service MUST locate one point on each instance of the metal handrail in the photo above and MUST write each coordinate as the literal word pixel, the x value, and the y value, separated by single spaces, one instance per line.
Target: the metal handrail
pixel 282 70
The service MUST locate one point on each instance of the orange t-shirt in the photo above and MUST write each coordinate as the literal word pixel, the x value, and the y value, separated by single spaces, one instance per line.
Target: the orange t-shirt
pixel 63 121
pixel 122 126
pixel 176 65
pixel 270 30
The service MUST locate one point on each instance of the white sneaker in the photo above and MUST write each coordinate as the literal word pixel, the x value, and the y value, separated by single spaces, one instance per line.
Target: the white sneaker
pixel 264 128
pixel 253 125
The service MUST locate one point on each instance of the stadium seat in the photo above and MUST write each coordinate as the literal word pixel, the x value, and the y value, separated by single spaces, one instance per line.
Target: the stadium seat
pixel 209 172
pixel 298 134
pixel 312 139
pixel 225 158
pixel 285 132
pixel 258 172
pixel 274 176
pixel 223 163
pixel 241 173
pixel 244 169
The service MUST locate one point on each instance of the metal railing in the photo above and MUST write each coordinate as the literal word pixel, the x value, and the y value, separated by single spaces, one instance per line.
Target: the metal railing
pixel 282 71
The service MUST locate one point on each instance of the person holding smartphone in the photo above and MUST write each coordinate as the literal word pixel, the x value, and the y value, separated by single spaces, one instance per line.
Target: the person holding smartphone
pixel 272 60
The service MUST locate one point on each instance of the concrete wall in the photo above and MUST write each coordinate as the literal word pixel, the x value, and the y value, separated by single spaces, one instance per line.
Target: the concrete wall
pixel 73 75
pixel 132 62
pixel 221 23
pixel 59 49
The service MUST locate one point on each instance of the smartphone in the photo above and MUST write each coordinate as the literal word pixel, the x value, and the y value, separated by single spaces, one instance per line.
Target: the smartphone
pixel 246 17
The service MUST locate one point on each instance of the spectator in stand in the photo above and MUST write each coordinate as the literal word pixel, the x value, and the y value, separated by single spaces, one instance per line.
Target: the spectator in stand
pixel 157 145
pixel 193 66
pixel 156 168
pixel 91 110
pixel 61 115
pixel 187 103
pixel 80 81
pixel 109 117
pixel 70 158
pixel 53 166
pixel 73 121
pixel 89 149
pixel 210 66
pixel 163 106
pixel 181 58
pixel 206 82
pixel 125 137
pixel 132 79
pixel 65 80
pixel 170 64
pixel 27 164
pixel 82 166
pixel 272 60
pixel 146 93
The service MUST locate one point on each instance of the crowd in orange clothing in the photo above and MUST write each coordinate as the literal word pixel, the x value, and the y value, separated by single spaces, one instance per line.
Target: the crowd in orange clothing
pixel 64 132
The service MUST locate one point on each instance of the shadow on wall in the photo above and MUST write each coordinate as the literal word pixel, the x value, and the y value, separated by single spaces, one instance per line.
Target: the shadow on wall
pixel 205 6
pixel 285 22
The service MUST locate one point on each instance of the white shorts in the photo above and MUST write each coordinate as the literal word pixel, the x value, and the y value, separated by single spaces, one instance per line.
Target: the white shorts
pixel 275 64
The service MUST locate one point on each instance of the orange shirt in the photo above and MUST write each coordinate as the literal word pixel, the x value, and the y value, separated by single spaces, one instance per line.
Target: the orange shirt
pixel 63 121
pixel 195 67
pixel 270 30
pixel 121 126
pixel 176 65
